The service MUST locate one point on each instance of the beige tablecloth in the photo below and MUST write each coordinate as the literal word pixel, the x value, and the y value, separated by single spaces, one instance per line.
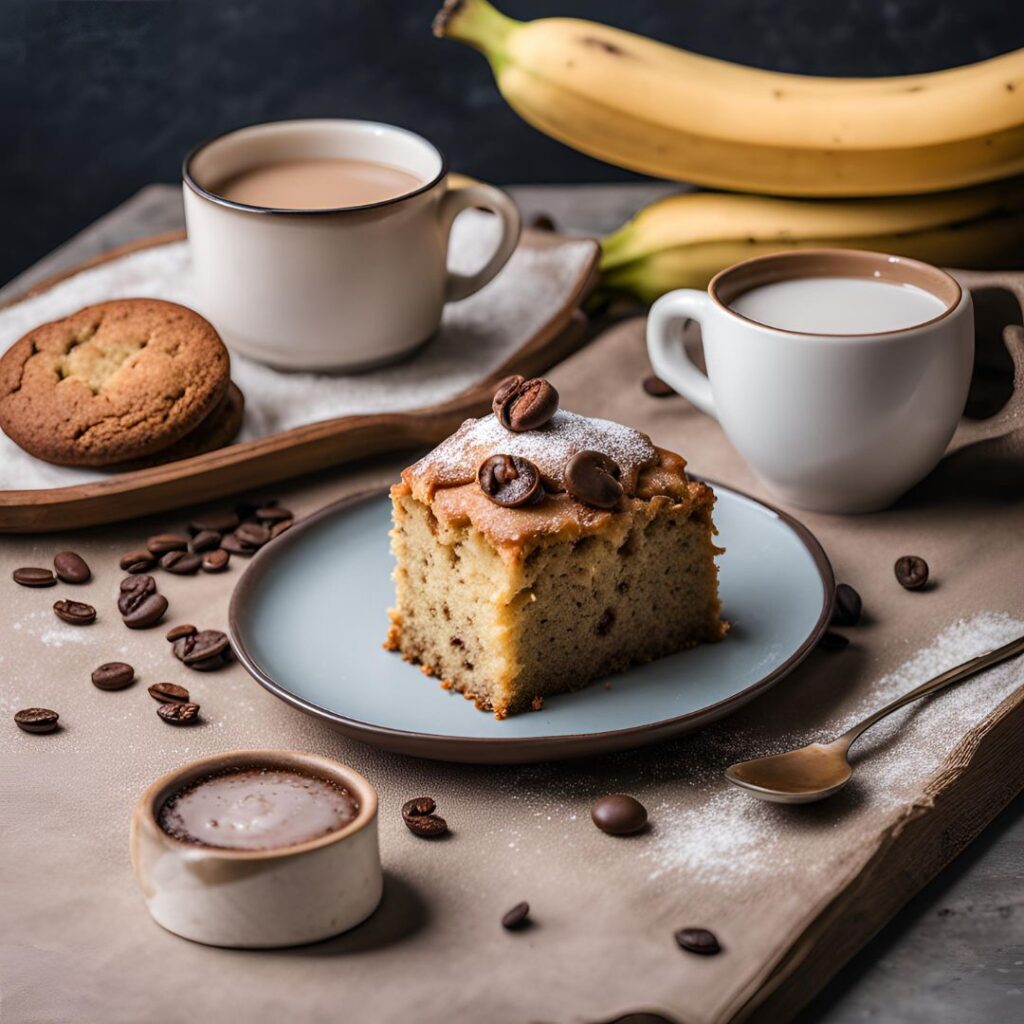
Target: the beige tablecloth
pixel 76 941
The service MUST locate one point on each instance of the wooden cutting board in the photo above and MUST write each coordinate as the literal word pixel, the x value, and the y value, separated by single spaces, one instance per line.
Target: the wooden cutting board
pixel 305 449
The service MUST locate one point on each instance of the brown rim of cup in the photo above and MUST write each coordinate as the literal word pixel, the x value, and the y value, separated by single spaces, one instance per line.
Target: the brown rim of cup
pixel 730 283
pixel 189 179
pixel 147 810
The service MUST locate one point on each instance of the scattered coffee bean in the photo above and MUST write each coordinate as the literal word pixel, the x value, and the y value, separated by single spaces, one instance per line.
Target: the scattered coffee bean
pixel 254 534
pixel 427 826
pixel 177 632
pixel 181 563
pixel 177 713
pixel 71 567
pixel 169 693
pixel 593 479
pixel 77 613
pixel 698 940
pixel 847 607
pixel 619 815
pixel 164 542
pixel 201 649
pixel 205 540
pixel 36 719
pixel 278 528
pixel 833 641
pixel 216 561
pixel 911 572
pixel 418 807
pixel 273 514
pixel 30 576
pixel 657 388
pixel 234 545
pixel 418 815
pixel 542 222
pixel 520 404
pixel 147 612
pixel 508 480
pixel 214 522
pixel 113 675
pixel 137 561
pixel 134 590
pixel 516 917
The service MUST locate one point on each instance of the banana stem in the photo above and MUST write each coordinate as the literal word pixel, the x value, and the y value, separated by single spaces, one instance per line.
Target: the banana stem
pixel 477 23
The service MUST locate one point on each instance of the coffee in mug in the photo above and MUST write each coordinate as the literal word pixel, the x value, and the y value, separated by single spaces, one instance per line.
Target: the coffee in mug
pixel 324 183
pixel 838 305
pixel 840 376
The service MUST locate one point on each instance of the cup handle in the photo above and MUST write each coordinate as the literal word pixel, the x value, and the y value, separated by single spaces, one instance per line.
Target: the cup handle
pixel 668 355
pixel 463 197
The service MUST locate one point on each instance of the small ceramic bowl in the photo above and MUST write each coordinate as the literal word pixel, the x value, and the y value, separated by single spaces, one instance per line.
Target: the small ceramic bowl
pixel 259 898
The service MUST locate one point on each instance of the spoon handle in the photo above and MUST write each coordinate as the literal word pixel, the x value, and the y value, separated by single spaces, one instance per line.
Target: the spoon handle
pixel 947 678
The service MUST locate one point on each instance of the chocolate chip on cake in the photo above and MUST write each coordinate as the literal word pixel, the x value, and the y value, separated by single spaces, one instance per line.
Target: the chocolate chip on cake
pixel 509 480
pixel 71 567
pixel 31 576
pixel 520 404
pixel 593 479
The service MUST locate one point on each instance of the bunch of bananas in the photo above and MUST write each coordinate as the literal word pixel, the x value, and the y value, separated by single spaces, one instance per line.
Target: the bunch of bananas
pixel 925 165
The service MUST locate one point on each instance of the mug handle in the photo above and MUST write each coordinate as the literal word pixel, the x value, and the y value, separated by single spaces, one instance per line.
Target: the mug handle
pixel 464 197
pixel 669 358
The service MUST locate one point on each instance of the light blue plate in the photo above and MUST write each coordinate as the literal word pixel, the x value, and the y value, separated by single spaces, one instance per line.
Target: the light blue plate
pixel 309 614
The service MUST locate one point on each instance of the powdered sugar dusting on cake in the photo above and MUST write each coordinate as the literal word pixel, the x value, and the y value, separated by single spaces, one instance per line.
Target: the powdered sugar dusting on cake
pixel 455 460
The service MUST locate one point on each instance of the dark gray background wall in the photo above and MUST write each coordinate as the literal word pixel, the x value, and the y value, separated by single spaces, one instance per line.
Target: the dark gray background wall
pixel 98 98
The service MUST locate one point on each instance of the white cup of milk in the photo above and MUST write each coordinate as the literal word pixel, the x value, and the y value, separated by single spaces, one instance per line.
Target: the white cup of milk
pixel 839 375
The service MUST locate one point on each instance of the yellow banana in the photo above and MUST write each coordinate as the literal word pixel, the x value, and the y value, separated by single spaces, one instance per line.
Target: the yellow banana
pixel 653 108
pixel 684 240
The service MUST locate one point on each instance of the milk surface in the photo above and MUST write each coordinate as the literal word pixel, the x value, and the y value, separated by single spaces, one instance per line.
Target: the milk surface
pixel 838 305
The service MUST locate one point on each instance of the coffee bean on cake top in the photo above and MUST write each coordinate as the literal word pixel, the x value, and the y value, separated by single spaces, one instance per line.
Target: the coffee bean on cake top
pixel 520 404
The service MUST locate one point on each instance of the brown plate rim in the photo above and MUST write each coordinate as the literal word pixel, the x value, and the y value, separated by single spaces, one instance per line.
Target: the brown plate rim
pixel 519 749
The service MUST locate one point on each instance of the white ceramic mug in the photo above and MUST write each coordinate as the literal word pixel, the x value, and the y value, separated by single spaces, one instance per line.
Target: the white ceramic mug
pixel 830 422
pixel 340 289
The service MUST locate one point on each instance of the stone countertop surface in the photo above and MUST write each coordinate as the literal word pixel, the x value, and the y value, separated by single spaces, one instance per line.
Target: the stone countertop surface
pixel 935 961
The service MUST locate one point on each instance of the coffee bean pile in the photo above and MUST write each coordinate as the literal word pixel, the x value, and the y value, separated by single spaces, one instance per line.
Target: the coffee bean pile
pixel 211 540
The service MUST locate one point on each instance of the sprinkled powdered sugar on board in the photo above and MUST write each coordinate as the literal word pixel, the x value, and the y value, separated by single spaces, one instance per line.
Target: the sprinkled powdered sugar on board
pixel 728 835
pixel 455 460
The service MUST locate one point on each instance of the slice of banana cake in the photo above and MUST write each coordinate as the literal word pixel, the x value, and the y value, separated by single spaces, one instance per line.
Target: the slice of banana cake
pixel 537 550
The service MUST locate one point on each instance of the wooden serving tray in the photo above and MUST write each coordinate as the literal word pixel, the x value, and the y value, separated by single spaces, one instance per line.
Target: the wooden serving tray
pixel 271 459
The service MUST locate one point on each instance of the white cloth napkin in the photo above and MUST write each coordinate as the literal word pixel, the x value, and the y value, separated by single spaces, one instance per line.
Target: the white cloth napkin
pixel 475 337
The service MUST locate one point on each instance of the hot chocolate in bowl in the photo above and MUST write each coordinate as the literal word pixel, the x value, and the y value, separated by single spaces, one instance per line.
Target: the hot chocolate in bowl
pixel 258 848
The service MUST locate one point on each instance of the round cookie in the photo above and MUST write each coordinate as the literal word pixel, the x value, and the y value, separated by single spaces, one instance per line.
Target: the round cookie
pixel 218 429
pixel 113 382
